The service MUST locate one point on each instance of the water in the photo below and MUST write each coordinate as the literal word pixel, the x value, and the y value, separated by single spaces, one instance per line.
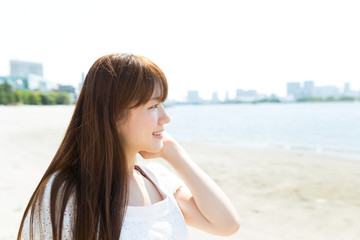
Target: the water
pixel 331 129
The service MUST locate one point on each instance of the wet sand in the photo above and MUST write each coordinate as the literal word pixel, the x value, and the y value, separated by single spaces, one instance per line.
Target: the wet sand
pixel 278 195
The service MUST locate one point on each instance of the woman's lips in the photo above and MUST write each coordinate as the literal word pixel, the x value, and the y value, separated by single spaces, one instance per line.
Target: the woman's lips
pixel 158 134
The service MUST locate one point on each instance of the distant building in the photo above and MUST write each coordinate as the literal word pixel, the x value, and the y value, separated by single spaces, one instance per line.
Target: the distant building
pixel 346 88
pixel 37 82
pixel 193 97
pixel 294 89
pixel 26 75
pixel 215 97
pixel 67 89
pixel 22 68
pixel 30 81
pixel 327 92
pixel 245 93
pixel 287 99
pixel 309 88
pixel 16 82
pixel 348 92
pixel 81 83
pixel 273 96
pixel 248 95
pixel 227 98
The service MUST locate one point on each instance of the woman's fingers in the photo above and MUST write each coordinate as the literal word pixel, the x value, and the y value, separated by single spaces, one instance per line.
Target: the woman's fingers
pixel 167 150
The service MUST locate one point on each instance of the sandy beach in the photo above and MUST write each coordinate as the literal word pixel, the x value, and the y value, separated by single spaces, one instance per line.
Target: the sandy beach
pixel 278 195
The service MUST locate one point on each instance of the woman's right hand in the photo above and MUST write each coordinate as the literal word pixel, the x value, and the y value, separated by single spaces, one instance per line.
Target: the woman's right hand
pixel 170 150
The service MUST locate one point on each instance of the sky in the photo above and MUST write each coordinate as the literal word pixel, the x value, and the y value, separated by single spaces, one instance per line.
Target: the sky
pixel 209 46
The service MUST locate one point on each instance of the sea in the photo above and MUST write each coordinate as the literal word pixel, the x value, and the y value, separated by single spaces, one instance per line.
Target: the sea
pixel 329 128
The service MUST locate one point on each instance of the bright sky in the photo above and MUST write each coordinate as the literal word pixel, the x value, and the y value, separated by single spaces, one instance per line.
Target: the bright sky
pixel 200 45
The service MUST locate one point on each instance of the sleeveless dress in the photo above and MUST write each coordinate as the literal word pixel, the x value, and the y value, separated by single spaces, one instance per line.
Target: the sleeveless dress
pixel 160 221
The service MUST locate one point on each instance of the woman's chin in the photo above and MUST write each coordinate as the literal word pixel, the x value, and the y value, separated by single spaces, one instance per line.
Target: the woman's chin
pixel 156 148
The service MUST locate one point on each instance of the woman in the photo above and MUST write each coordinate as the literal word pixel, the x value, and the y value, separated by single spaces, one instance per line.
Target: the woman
pixel 93 188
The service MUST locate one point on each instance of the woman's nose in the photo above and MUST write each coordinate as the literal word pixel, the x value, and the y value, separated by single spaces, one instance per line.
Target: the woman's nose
pixel 164 118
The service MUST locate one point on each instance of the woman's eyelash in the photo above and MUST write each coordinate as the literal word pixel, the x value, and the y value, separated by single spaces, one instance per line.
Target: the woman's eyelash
pixel 154 106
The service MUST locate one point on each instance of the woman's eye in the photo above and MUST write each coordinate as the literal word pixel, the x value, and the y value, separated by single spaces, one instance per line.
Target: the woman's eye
pixel 155 106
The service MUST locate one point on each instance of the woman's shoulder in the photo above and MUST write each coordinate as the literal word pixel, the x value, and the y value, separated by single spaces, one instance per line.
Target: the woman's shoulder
pixel 163 176
pixel 156 168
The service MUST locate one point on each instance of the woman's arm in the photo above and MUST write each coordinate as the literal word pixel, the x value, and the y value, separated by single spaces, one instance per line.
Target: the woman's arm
pixel 205 206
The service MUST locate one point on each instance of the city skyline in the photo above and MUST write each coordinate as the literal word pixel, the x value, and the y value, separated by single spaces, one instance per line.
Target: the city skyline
pixel 29 75
pixel 204 93
pixel 295 91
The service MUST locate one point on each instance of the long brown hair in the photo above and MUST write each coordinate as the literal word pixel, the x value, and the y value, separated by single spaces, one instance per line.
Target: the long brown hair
pixel 90 163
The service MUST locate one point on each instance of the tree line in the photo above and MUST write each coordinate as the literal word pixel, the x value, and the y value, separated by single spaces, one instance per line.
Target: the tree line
pixel 8 96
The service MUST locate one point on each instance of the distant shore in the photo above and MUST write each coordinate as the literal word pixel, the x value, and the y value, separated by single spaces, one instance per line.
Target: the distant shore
pixel 269 100
pixel 278 195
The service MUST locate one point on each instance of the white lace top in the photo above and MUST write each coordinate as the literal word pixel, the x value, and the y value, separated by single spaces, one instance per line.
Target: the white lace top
pixel 160 221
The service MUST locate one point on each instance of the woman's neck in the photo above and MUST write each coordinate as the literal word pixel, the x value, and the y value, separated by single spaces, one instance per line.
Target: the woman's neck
pixel 131 161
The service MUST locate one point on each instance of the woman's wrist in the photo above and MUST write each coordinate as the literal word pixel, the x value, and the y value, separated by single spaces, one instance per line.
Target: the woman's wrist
pixel 173 152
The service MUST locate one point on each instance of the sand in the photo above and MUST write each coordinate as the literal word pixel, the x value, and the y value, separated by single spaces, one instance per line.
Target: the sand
pixel 278 195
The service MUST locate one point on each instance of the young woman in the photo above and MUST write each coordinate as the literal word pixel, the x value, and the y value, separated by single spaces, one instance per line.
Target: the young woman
pixel 93 188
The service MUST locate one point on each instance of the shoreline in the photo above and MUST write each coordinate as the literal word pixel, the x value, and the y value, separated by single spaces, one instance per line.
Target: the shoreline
pixel 291 150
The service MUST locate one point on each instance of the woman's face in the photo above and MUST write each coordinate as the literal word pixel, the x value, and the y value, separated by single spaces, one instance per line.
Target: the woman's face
pixel 142 131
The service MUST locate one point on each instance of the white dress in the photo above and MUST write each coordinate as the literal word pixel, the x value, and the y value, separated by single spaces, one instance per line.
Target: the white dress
pixel 160 221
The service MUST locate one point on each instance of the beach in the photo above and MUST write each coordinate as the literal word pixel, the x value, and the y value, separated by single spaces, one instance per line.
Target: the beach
pixel 278 194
